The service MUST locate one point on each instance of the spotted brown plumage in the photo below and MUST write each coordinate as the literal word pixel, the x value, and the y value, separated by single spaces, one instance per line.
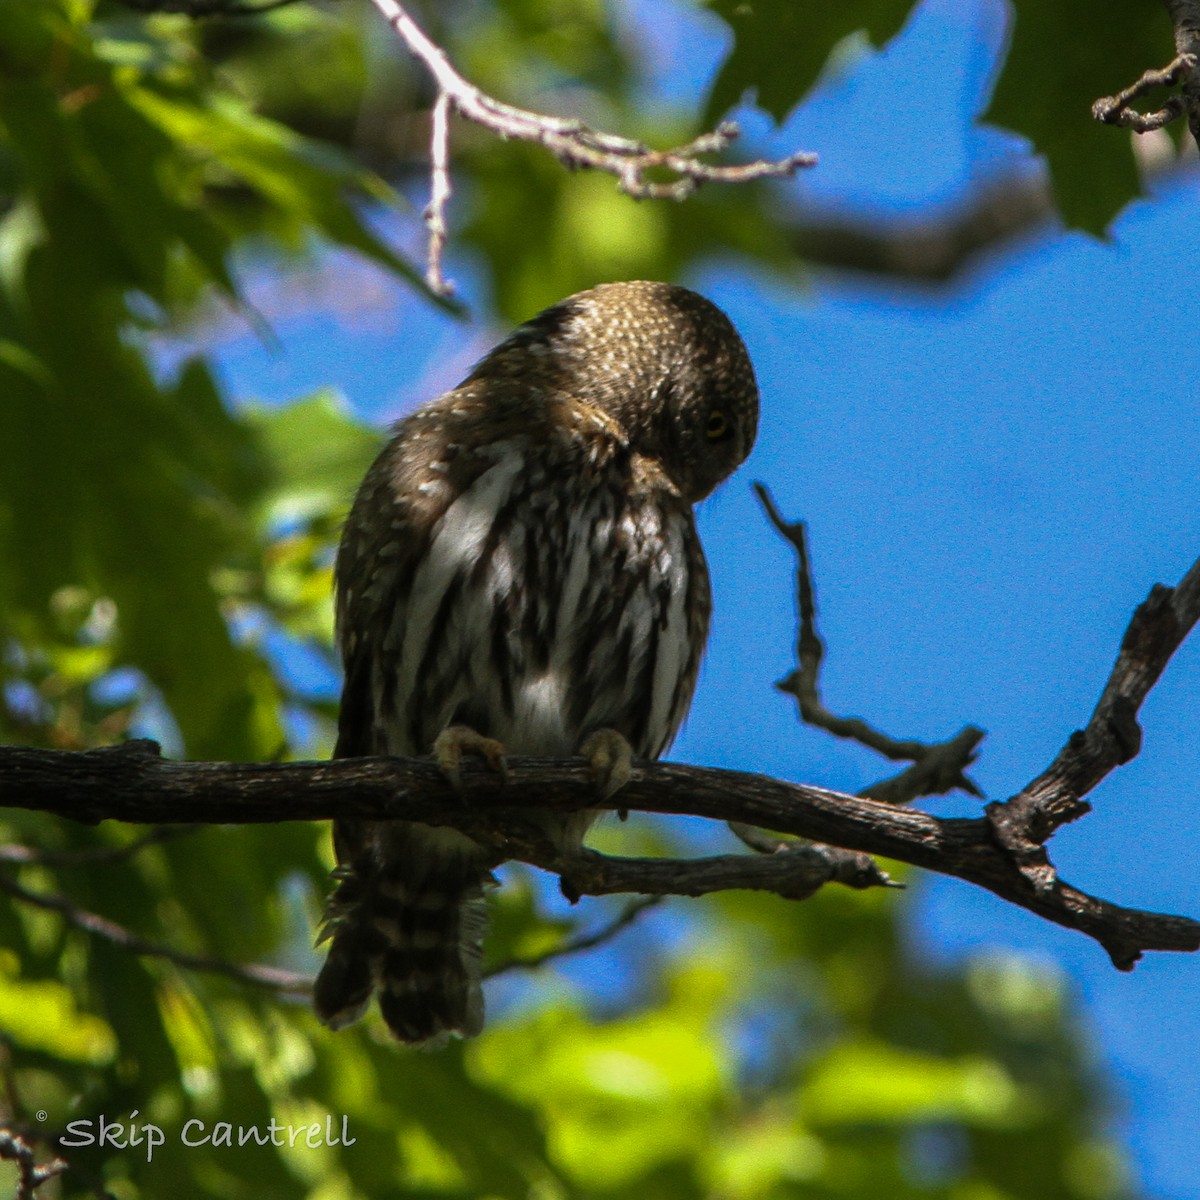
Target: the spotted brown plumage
pixel 522 560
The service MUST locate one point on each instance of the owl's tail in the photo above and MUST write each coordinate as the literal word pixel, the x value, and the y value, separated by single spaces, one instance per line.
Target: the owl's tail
pixel 406 921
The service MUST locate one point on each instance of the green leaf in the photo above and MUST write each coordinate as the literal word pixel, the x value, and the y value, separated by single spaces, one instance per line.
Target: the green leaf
pixel 781 46
pixel 305 183
pixel 1061 58
pixel 316 454
pixel 869 1081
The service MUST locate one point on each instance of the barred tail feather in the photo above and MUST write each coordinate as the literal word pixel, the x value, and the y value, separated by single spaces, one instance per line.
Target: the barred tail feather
pixel 408 926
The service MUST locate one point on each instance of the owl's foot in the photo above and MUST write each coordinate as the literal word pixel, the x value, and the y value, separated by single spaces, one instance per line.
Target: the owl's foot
pixel 456 740
pixel 610 759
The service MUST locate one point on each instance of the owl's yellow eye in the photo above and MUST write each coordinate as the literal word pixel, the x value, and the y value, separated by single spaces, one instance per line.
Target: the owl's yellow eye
pixel 718 425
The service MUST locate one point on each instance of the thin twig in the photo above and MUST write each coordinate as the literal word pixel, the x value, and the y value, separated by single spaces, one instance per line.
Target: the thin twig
pixel 938 767
pixel 585 941
pixel 845 866
pixel 1119 110
pixel 92 855
pixel 759 840
pixel 31 1175
pixel 571 141
pixel 92 923
pixel 439 196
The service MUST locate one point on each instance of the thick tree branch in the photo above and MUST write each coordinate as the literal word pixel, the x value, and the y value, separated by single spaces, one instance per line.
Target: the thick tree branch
pixel 131 783
pixel 1185 18
pixel 936 245
pixel 1112 736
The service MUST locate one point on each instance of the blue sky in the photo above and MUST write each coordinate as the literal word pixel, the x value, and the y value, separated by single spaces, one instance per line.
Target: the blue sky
pixel 993 479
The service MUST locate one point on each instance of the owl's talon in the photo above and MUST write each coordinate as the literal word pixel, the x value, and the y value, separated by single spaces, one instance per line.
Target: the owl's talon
pixel 610 760
pixel 456 740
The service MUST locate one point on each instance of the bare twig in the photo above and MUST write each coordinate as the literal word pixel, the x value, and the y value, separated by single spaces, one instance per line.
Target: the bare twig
pixel 581 942
pixel 31 1175
pixel 937 768
pixel 571 141
pixel 1118 110
pixel 439 196
pixel 1183 72
pixel 938 771
pixel 98 926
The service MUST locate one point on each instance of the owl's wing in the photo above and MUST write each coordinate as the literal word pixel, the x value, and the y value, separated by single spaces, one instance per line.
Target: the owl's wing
pixel 431 461
pixel 406 919
pixel 356 717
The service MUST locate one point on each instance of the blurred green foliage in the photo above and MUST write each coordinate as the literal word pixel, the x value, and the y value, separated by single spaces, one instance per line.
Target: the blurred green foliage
pixel 155 539
pixel 1059 61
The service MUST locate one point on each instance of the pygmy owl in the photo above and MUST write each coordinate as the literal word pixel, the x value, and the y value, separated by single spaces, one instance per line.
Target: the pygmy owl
pixel 521 571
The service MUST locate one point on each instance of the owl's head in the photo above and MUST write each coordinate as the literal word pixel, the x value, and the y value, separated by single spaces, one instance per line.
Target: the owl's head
pixel 665 363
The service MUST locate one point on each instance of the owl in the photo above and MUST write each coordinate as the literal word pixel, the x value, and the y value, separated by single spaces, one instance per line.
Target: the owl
pixel 521 571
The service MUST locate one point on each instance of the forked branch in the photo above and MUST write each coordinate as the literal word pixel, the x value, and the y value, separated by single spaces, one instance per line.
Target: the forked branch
pixel 572 142
pixel 1182 72
pixel 936 768
pixel 132 783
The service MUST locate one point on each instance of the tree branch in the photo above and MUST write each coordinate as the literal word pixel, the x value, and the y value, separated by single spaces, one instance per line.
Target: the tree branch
pixel 581 942
pixel 30 1175
pixel 1112 736
pixel 571 141
pixel 1183 71
pixel 98 926
pixel 1118 110
pixel 131 783
pixel 938 244
pixel 936 768
pixel 1185 18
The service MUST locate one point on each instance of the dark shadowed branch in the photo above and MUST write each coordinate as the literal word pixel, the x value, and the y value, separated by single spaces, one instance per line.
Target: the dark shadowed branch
pixel 1112 736
pixel 579 942
pixel 1002 850
pixel 30 1173
pixel 936 245
pixel 109 931
pixel 132 783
